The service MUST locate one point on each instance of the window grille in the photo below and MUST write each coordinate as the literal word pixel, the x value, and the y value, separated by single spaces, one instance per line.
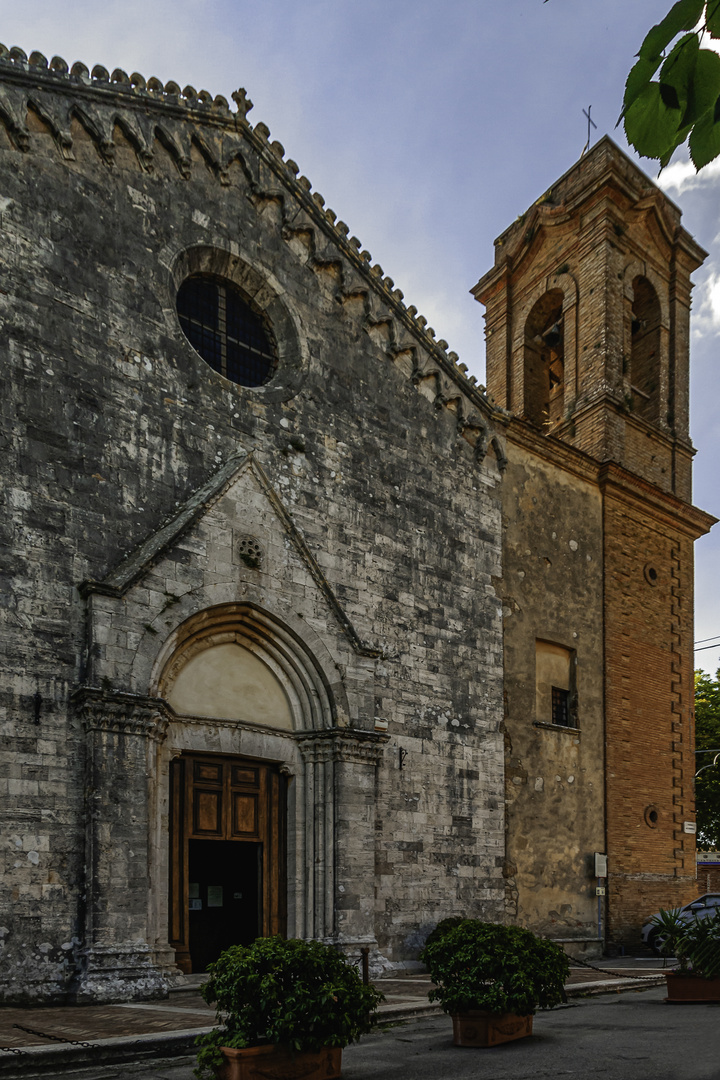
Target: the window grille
pixel 561 707
pixel 229 335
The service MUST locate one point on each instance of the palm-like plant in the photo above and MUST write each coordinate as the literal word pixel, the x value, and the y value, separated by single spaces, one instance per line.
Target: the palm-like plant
pixel 695 944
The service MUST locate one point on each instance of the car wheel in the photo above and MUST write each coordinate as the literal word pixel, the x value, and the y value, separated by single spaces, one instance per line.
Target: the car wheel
pixel 656 941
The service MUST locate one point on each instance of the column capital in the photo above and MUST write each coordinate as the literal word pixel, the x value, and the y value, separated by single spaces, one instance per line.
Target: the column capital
pixel 119 713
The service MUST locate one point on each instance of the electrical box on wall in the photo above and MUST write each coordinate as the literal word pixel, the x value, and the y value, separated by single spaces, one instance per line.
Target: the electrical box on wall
pixel 600 865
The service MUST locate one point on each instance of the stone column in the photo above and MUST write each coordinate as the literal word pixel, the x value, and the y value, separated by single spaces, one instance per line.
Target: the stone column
pixel 340 834
pixel 121 730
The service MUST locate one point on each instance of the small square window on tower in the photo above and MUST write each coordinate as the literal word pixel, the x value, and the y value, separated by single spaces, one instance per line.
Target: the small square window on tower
pixel 555 698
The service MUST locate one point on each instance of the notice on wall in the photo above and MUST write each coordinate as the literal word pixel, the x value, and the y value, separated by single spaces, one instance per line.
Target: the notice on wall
pixel 195 905
pixel 215 896
pixel 194 890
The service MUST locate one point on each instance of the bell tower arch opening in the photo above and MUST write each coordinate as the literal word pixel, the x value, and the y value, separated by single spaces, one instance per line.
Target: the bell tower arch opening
pixel 645 350
pixel 544 362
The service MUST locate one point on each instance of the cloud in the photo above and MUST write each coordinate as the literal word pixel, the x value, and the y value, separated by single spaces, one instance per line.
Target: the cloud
pixel 681 176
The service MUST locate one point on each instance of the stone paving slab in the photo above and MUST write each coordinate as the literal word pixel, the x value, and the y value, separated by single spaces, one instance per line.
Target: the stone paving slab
pixel 183 1013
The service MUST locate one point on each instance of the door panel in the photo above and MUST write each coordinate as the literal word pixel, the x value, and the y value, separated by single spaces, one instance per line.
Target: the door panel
pixel 245 815
pixel 207 813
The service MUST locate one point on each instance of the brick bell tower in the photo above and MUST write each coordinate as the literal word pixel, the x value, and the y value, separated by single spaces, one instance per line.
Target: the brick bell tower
pixel 587 326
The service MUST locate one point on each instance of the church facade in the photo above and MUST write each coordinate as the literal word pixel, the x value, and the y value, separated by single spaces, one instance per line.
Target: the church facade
pixel 267 545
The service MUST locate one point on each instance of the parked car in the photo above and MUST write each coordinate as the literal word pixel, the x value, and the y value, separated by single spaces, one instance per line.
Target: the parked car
pixel 702 908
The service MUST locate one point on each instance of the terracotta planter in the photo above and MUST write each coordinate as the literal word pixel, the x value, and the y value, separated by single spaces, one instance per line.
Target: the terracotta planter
pixel 479 1028
pixel 280 1063
pixel 686 987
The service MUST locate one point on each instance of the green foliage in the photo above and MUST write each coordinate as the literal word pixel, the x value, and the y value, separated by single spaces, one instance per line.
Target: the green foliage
pixel 300 993
pixel 695 944
pixel 442 928
pixel 684 101
pixel 707 738
pixel 501 969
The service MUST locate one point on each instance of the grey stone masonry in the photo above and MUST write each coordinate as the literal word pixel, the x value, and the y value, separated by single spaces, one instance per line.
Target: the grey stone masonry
pixel 364 478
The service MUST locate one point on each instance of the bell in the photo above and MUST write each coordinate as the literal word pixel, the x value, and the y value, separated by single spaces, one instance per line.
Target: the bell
pixel 553 336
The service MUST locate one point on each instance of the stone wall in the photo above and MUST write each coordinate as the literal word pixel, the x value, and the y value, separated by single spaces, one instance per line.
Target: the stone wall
pixel 378 507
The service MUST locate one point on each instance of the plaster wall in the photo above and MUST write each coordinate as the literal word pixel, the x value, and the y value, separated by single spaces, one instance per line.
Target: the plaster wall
pixel 552 590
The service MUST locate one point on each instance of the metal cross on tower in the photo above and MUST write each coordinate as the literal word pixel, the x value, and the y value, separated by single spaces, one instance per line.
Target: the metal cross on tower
pixel 590 122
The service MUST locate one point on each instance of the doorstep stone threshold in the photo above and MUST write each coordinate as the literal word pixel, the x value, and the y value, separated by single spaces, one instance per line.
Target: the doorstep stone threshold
pixel 45 1061
pixel 599 986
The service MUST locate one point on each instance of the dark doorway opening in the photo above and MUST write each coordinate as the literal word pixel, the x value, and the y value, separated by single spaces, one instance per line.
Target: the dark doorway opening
pixel 225 890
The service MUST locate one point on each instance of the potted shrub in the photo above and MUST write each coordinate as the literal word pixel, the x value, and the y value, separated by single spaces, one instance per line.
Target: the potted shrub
pixel 491 978
pixel 285 1008
pixel 695 943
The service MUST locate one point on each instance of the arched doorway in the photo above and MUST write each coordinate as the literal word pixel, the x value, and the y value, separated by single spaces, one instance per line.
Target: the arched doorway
pixel 249 853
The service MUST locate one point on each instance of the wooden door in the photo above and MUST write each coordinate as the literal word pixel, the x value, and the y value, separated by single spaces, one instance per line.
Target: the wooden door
pixel 218 800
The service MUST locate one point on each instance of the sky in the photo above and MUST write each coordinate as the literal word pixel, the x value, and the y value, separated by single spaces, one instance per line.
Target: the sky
pixel 428 126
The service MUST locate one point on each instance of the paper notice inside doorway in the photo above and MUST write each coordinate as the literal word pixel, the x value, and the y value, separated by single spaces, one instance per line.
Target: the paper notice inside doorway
pixel 215 896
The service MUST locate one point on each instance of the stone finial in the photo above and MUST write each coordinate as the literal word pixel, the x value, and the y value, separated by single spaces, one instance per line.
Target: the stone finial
pixel 58 65
pixel 399 295
pixel 365 254
pixel 38 60
pixel 137 81
pixel 277 148
pixel 376 270
pixel 205 97
pixel 342 228
pixel 304 182
pixel 443 344
pixel 421 321
pixel 318 199
pixel 120 76
pixel 463 367
pixel 242 102
pixel 155 86
pixel 79 70
pixel 4 51
pixel 388 283
pixel 17 55
pixel 292 166
pixel 190 94
pixel 262 131
pixel 330 215
pixel 172 89
pixel 100 73
pixel 220 103
pixel 412 311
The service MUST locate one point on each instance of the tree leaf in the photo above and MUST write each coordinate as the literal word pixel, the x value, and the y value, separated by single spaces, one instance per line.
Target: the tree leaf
pixel 705 138
pixel 712 18
pixel 705 85
pixel 678 71
pixel 650 125
pixel 639 77
pixel 683 15
pixel 678 141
